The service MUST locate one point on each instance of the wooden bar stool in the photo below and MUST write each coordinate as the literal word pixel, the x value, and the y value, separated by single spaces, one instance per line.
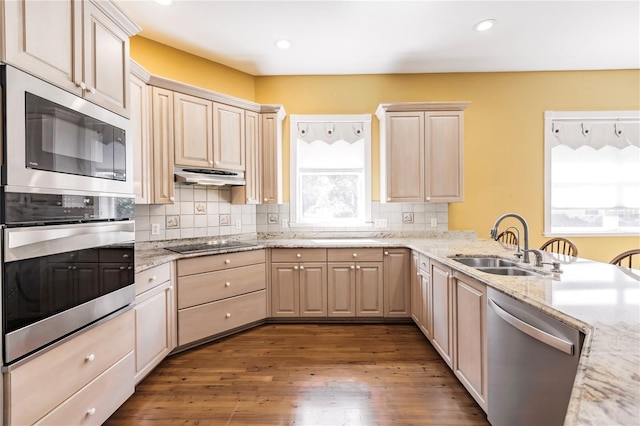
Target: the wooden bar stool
pixel 628 259
pixel 561 246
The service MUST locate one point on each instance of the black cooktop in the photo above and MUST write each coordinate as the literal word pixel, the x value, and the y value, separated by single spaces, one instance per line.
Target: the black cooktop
pixel 212 246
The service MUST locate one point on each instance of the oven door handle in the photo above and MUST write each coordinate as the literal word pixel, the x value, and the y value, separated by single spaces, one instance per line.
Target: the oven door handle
pixel 36 241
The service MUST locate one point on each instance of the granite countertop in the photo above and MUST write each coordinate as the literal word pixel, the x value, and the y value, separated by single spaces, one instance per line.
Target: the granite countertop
pixel 601 300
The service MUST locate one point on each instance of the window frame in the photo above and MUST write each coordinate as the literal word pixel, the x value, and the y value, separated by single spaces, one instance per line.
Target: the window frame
pixel 549 117
pixel 294 202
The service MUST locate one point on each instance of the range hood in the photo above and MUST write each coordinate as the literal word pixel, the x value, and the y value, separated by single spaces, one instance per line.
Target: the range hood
pixel 188 176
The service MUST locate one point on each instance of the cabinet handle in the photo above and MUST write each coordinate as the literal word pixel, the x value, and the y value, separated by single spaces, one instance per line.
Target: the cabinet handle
pixel 228 315
pixel 227 284
pixel 153 278
pixel 355 254
pixel 295 268
pixel 298 255
pixel 386 253
pixel 301 267
pixel 90 358
pixel 357 266
pixel 91 411
pixel 352 267
pixel 227 261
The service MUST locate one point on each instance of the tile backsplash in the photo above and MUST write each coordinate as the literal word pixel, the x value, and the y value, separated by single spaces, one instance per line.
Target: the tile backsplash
pixel 208 212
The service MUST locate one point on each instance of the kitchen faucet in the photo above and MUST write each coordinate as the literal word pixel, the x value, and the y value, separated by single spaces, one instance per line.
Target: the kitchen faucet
pixel 525 230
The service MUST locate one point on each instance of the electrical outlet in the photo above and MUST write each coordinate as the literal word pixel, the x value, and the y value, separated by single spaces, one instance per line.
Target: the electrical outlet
pixel 434 222
pixel 155 229
pixel 380 223
pixel 284 223
pixel 238 224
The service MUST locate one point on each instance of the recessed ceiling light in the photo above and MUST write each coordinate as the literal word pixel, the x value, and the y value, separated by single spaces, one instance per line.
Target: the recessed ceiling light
pixel 485 25
pixel 283 44
pixel 164 2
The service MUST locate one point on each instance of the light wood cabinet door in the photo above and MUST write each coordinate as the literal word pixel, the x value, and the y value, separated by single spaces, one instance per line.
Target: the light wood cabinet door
pixel 270 165
pixel 162 142
pixel 49 51
pixel 106 60
pixel 155 328
pixel 443 156
pixel 369 289
pixel 470 331
pixel 397 284
pixel 193 137
pixel 228 137
pixel 404 157
pixel 441 311
pixel 416 295
pixel 426 305
pixel 285 290
pixel 140 119
pixel 313 289
pixel 341 289
pixel 251 192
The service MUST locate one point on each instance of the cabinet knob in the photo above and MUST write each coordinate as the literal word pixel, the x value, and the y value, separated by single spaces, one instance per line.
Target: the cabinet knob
pixel 172 198
pixel 428 198
pixel 357 266
pixel 210 161
pixel 153 278
pixel 228 315
pixel 355 254
pixel 298 255
pixel 352 267
pixel 123 268
pixel 418 273
pixel 92 90
pixel 74 267
pixel 388 198
pixel 227 261
pixel 227 284
pixel 82 85
pixel 295 267
pixel 301 267
pixel 386 253
pixel 90 358
pixel 125 256
pixel 217 163
pixel 91 411
pixel 266 199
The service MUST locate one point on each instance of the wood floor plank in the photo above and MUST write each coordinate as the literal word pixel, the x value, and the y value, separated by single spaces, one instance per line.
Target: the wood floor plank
pixel 301 374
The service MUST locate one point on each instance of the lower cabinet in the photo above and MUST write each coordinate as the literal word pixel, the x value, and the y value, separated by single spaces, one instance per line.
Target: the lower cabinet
pixel 397 291
pixel 421 306
pixel 442 310
pixel 219 293
pixel 470 336
pixel 81 381
pixel 155 318
pixel 355 282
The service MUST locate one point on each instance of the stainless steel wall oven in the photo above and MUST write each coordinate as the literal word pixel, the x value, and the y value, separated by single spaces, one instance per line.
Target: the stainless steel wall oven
pixel 66 214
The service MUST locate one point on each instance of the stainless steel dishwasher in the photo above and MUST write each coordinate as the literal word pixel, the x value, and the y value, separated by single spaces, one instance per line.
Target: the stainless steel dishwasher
pixel 532 364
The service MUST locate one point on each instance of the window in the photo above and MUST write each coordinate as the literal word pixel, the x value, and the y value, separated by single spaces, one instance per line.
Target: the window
pixel 330 170
pixel 592 173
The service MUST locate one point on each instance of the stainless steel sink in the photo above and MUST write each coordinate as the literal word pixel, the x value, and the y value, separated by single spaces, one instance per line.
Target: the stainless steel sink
pixel 484 262
pixel 496 266
pixel 512 270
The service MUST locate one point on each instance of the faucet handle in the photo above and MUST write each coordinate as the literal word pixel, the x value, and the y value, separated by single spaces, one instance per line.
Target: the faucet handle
pixel 538 255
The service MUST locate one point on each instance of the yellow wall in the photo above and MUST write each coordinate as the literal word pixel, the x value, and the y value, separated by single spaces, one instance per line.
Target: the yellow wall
pixel 164 61
pixel 504 146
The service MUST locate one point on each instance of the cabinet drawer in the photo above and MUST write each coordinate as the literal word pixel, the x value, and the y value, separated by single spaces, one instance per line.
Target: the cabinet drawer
pixel 150 278
pixel 41 384
pixel 213 318
pixel 94 403
pixel 211 286
pixel 425 264
pixel 354 254
pixel 298 255
pixel 198 265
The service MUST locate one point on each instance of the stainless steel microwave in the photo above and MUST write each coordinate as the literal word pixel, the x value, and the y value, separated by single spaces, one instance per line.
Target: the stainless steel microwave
pixel 56 142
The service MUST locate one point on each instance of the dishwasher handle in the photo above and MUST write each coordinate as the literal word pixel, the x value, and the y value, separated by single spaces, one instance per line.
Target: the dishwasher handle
pixel 542 336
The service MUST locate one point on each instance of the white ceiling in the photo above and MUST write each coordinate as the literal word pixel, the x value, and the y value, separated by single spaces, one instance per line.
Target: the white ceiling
pixel 379 37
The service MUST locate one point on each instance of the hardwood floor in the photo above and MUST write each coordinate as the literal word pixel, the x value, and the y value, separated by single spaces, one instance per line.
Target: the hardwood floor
pixel 305 375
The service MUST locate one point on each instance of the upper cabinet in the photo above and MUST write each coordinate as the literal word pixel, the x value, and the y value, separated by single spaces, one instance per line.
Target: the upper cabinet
pixel 193 131
pixel 421 151
pixel 228 137
pixel 81 46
